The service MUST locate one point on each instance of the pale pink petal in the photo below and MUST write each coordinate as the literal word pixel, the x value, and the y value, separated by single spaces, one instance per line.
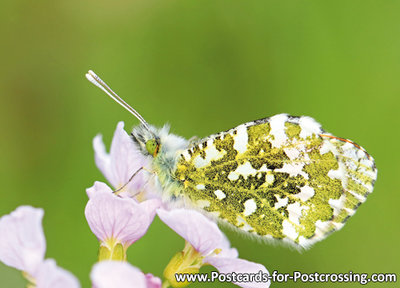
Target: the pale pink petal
pixel 103 160
pixel 123 161
pixel 151 206
pixel 49 275
pixel 203 234
pixel 226 250
pixel 98 187
pixel 110 216
pixel 152 281
pixel 126 158
pixel 116 274
pixel 229 265
pixel 229 253
pixel 22 241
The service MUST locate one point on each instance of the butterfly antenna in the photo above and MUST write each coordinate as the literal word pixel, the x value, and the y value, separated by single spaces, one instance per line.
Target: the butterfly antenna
pixel 96 80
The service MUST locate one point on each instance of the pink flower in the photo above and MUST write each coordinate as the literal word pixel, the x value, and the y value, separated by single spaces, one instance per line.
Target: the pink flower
pixel 152 281
pixel 22 242
pixel 23 245
pixel 210 246
pixel 122 162
pixel 49 275
pixel 115 220
pixel 117 274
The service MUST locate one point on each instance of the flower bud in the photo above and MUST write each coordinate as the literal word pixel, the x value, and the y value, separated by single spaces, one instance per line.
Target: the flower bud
pixel 188 261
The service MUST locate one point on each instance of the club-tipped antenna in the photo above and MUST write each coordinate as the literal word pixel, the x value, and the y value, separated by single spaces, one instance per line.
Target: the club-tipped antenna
pixel 96 80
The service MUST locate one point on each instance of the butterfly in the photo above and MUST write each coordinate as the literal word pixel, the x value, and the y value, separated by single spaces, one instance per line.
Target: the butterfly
pixel 281 178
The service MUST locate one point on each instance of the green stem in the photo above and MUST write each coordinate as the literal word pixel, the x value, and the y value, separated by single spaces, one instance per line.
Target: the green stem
pixel 165 284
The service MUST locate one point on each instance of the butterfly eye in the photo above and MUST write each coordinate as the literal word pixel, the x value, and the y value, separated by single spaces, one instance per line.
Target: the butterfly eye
pixel 152 146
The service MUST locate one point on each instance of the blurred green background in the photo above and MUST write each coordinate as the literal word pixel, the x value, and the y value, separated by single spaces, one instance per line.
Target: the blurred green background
pixel 204 67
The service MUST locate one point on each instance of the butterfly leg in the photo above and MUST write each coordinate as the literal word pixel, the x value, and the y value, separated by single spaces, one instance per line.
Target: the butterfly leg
pixel 130 179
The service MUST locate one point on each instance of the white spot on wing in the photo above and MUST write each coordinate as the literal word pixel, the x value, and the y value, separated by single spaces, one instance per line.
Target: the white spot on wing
pixel 264 168
pixel 220 195
pixel 233 176
pixel 282 202
pixel 361 154
pixel 295 212
pixel 322 227
pixel 277 124
pixel 292 153
pixel 293 169
pixel 339 174
pixel 350 151
pixel 289 230
pixel 309 127
pixel 337 204
pixel 306 192
pixel 241 139
pixel 328 147
pixel 245 170
pixel 200 186
pixel 367 162
pixel 269 178
pixel 211 154
pixel 199 162
pixel 348 146
pixel 186 155
pixel 250 207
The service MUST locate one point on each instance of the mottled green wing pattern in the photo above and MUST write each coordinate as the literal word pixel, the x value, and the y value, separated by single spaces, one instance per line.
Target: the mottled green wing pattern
pixel 279 178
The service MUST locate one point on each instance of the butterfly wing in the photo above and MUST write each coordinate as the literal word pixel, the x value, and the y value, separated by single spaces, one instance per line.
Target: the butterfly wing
pixel 281 177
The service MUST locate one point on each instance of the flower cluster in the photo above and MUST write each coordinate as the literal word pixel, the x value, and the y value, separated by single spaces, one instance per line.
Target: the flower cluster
pixel 118 218
pixel 23 245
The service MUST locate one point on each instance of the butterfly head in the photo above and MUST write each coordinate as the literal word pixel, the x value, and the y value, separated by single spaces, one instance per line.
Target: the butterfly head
pixel 147 139
pixel 153 146
pixel 158 143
